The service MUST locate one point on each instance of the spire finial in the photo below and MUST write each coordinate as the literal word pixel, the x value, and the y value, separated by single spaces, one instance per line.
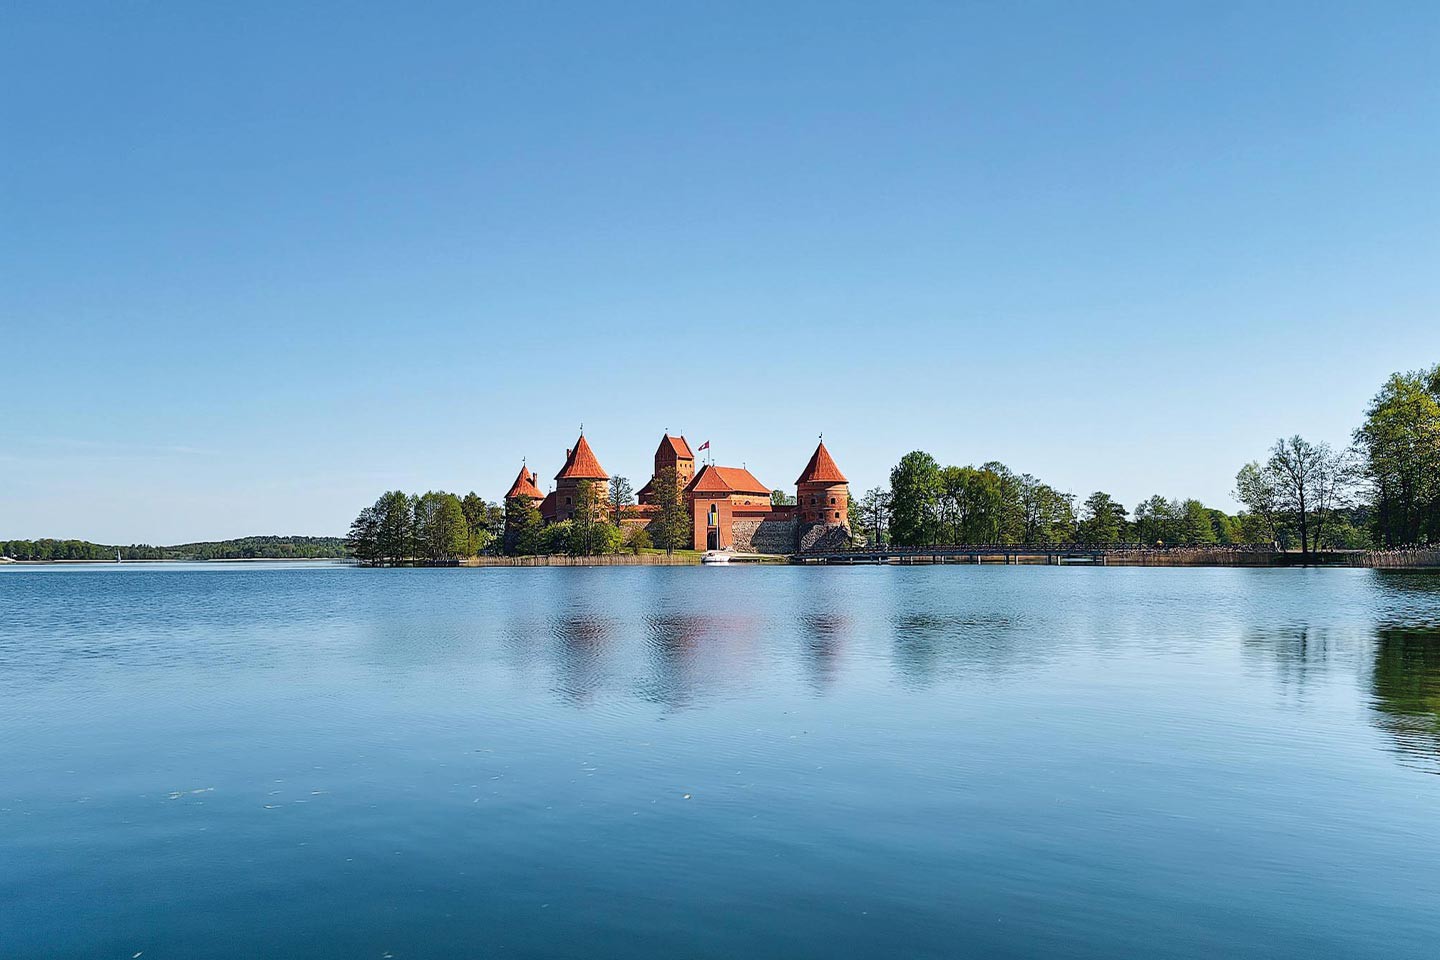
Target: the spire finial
pixel 582 429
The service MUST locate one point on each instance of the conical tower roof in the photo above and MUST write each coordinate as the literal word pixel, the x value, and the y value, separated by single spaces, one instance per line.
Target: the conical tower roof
pixel 580 464
pixel 821 468
pixel 524 486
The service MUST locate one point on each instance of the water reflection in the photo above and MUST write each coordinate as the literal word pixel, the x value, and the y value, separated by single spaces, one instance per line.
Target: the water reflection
pixel 580 650
pixel 694 657
pixel 1406 691
pixel 929 646
pixel 1300 654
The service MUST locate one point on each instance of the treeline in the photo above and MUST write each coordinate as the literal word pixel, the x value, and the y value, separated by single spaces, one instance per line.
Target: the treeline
pixel 1382 489
pixel 436 527
pixel 242 548
pixel 928 504
pixel 439 527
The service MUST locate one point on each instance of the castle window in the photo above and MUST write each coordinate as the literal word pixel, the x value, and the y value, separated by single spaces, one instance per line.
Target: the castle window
pixel 814 500
pixel 567 501
pixel 832 501
pixel 837 514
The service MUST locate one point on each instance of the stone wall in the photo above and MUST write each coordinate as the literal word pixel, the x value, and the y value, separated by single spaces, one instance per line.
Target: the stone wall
pixel 764 535
pixel 824 536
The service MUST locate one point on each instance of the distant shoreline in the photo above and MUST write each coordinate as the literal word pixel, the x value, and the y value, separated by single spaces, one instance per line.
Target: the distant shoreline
pixel 7 561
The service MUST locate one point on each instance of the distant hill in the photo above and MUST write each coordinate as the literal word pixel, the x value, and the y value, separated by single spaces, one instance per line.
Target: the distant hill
pixel 243 548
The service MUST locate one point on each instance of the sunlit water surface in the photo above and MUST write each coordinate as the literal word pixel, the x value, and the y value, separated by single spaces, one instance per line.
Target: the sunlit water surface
pixel 212 761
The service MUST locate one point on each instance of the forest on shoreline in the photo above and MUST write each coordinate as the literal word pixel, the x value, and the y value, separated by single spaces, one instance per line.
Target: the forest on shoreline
pixel 241 548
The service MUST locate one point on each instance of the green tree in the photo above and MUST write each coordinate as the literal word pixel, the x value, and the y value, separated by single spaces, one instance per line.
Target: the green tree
pixel 982 508
pixel 364 538
pixel 557 538
pixel 672 520
pixel 1102 520
pixel 1311 480
pixel 523 526
pixel 603 537
pixel 622 498
pixel 914 493
pixel 779 498
pixel 1258 488
pixel 871 515
pixel 1400 445
pixel 1197 526
pixel 394 527
pixel 441 533
pixel 1049 515
pixel 480 522
pixel 590 510
pixel 1158 522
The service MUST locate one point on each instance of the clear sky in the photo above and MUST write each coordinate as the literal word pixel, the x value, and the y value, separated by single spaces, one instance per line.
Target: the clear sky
pixel 259 263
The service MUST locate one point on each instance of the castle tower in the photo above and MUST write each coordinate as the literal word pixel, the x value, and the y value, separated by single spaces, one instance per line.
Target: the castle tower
pixel 581 466
pixel 675 453
pixel 822 503
pixel 524 486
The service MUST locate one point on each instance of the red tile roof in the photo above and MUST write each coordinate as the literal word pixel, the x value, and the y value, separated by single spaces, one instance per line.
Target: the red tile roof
pixel 726 480
pixel 524 486
pixel 580 464
pixel 677 446
pixel 821 468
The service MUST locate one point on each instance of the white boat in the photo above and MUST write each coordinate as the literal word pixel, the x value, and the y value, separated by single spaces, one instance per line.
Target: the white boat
pixel 715 556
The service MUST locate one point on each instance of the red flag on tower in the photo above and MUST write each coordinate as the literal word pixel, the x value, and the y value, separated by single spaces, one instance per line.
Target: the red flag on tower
pixel 704 446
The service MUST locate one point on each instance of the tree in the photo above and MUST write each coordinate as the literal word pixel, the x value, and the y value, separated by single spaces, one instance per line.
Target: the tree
pixel 1259 489
pixel 364 538
pixel 480 522
pixel 1197 527
pixel 440 529
pixel 589 510
pixel 557 537
pixel 1049 515
pixel 1400 447
pixel 779 498
pixel 622 497
pixel 1102 520
pixel 523 525
pixel 1311 480
pixel 394 527
pixel 1158 522
pixel 603 537
pixel 672 521
pixel 872 515
pixel 914 493
pixel 980 501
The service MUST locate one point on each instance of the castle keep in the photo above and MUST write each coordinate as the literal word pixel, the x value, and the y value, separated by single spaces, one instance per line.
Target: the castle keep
pixel 728 507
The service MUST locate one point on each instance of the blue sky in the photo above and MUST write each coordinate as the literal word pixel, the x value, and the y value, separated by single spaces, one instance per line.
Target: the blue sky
pixel 259 263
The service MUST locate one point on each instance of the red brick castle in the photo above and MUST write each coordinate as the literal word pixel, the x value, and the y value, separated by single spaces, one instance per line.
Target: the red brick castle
pixel 729 508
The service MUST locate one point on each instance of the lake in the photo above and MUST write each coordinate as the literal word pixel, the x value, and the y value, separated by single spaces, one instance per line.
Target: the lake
pixel 319 761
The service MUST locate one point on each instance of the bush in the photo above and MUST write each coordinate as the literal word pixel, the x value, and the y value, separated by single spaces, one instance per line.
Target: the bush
pixel 640 539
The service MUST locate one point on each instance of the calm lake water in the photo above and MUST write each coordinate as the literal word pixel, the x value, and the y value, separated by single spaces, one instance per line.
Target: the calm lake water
pixel 214 761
